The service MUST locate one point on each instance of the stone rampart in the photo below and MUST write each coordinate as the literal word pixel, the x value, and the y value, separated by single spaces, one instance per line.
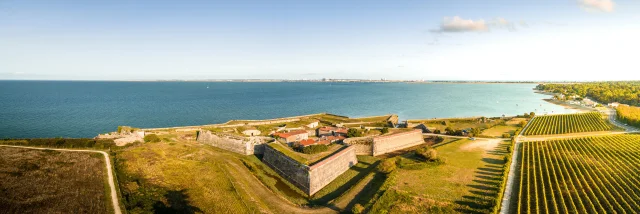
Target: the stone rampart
pixel 237 144
pixel 394 142
pixel 361 145
pixel 294 171
pixel 310 179
pixel 327 170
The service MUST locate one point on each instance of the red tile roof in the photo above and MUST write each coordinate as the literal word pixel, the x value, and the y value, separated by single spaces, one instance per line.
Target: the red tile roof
pixel 307 142
pixel 335 129
pixel 291 133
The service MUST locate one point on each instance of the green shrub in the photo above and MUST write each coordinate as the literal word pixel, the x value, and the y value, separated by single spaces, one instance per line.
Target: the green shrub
pixel 357 209
pixel 387 165
pixel 428 153
pixel 506 135
pixel 354 133
pixel 437 131
pixel 384 130
pixel 151 138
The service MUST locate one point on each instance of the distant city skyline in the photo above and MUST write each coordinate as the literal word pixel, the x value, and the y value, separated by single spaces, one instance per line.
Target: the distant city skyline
pixel 570 40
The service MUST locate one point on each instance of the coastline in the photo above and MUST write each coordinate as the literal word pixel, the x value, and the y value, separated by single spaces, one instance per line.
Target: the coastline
pixel 577 108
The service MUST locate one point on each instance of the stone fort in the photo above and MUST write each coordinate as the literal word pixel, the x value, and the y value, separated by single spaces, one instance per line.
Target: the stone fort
pixel 379 145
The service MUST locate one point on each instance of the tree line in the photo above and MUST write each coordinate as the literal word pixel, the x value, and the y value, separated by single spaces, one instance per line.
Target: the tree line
pixel 626 92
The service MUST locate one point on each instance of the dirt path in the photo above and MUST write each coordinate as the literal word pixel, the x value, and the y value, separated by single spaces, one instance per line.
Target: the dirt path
pixel 114 194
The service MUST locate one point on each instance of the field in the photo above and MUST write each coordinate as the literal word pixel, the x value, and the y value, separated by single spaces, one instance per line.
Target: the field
pixel 567 123
pixel 47 181
pixel 467 182
pixel 629 114
pixel 584 175
pixel 458 123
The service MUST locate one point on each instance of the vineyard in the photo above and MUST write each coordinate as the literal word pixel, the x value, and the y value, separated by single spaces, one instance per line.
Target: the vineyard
pixel 567 123
pixel 583 175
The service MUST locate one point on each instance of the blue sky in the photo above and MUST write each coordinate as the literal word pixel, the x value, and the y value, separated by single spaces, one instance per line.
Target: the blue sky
pixel 430 40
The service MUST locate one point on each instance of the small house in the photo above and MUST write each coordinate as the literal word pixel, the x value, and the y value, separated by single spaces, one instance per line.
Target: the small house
pixel 614 104
pixel 313 124
pixel 293 136
pixel 331 131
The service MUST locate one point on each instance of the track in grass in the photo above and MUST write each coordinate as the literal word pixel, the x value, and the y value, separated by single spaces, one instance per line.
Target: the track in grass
pixel 567 123
pixel 583 175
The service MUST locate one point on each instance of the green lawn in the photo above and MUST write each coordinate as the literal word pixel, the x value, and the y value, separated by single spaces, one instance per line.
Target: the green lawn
pixel 468 181
pixel 498 130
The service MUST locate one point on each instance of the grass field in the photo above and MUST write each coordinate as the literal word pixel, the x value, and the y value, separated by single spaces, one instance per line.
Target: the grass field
pixel 47 181
pixel 583 175
pixel 567 123
pixel 499 130
pixel 467 182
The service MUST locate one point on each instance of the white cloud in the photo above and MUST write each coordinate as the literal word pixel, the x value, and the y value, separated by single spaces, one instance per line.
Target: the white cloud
pixel 457 24
pixel 597 5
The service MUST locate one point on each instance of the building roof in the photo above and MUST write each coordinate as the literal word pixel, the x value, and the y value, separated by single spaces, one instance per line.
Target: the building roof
pixel 334 129
pixel 307 142
pixel 291 133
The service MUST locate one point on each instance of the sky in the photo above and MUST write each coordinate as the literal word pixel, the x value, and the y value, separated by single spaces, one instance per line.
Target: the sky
pixel 553 40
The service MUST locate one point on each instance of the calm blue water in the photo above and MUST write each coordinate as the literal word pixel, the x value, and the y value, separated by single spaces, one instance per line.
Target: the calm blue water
pixel 84 109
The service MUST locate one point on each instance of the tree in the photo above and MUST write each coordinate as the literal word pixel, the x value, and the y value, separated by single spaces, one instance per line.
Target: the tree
pixel 523 123
pixel 384 130
pixel 532 114
pixel 526 115
pixel 506 135
pixel 151 138
pixel 387 166
pixel 475 132
pixel 437 131
pixel 354 133
pixel 357 209
pixel 428 153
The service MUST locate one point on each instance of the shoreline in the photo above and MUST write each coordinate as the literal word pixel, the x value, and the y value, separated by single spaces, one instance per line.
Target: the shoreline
pixel 577 108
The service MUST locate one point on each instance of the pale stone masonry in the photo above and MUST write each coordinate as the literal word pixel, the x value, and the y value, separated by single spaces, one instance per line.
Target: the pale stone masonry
pixel 384 144
pixel 389 143
pixel 237 144
pixel 310 179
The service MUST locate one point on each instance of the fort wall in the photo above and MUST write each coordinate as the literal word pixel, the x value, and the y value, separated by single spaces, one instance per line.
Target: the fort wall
pixel 394 142
pixel 361 145
pixel 241 145
pixel 310 179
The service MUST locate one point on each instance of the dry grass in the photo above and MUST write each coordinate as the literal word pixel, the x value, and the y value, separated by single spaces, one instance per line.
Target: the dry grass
pixel 467 181
pixel 498 130
pixel 47 181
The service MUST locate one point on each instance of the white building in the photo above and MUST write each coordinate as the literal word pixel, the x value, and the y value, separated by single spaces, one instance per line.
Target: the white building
pixel 614 104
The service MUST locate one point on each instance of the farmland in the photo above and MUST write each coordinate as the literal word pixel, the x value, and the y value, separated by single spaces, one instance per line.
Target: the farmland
pixel 567 123
pixel 48 181
pixel 585 175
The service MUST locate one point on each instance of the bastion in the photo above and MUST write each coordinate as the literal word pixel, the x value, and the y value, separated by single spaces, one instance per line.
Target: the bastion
pixel 233 143
pixel 310 179
pixel 384 144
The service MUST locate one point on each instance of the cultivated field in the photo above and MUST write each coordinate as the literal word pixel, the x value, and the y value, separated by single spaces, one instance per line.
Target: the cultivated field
pixel 583 175
pixel 47 181
pixel 567 123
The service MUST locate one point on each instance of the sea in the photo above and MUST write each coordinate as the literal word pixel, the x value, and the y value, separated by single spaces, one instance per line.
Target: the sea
pixel 43 109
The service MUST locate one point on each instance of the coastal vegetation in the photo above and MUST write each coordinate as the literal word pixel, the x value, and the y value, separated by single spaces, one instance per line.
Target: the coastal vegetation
pixel 48 181
pixel 627 92
pixel 629 114
pixel 585 175
pixel 567 123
